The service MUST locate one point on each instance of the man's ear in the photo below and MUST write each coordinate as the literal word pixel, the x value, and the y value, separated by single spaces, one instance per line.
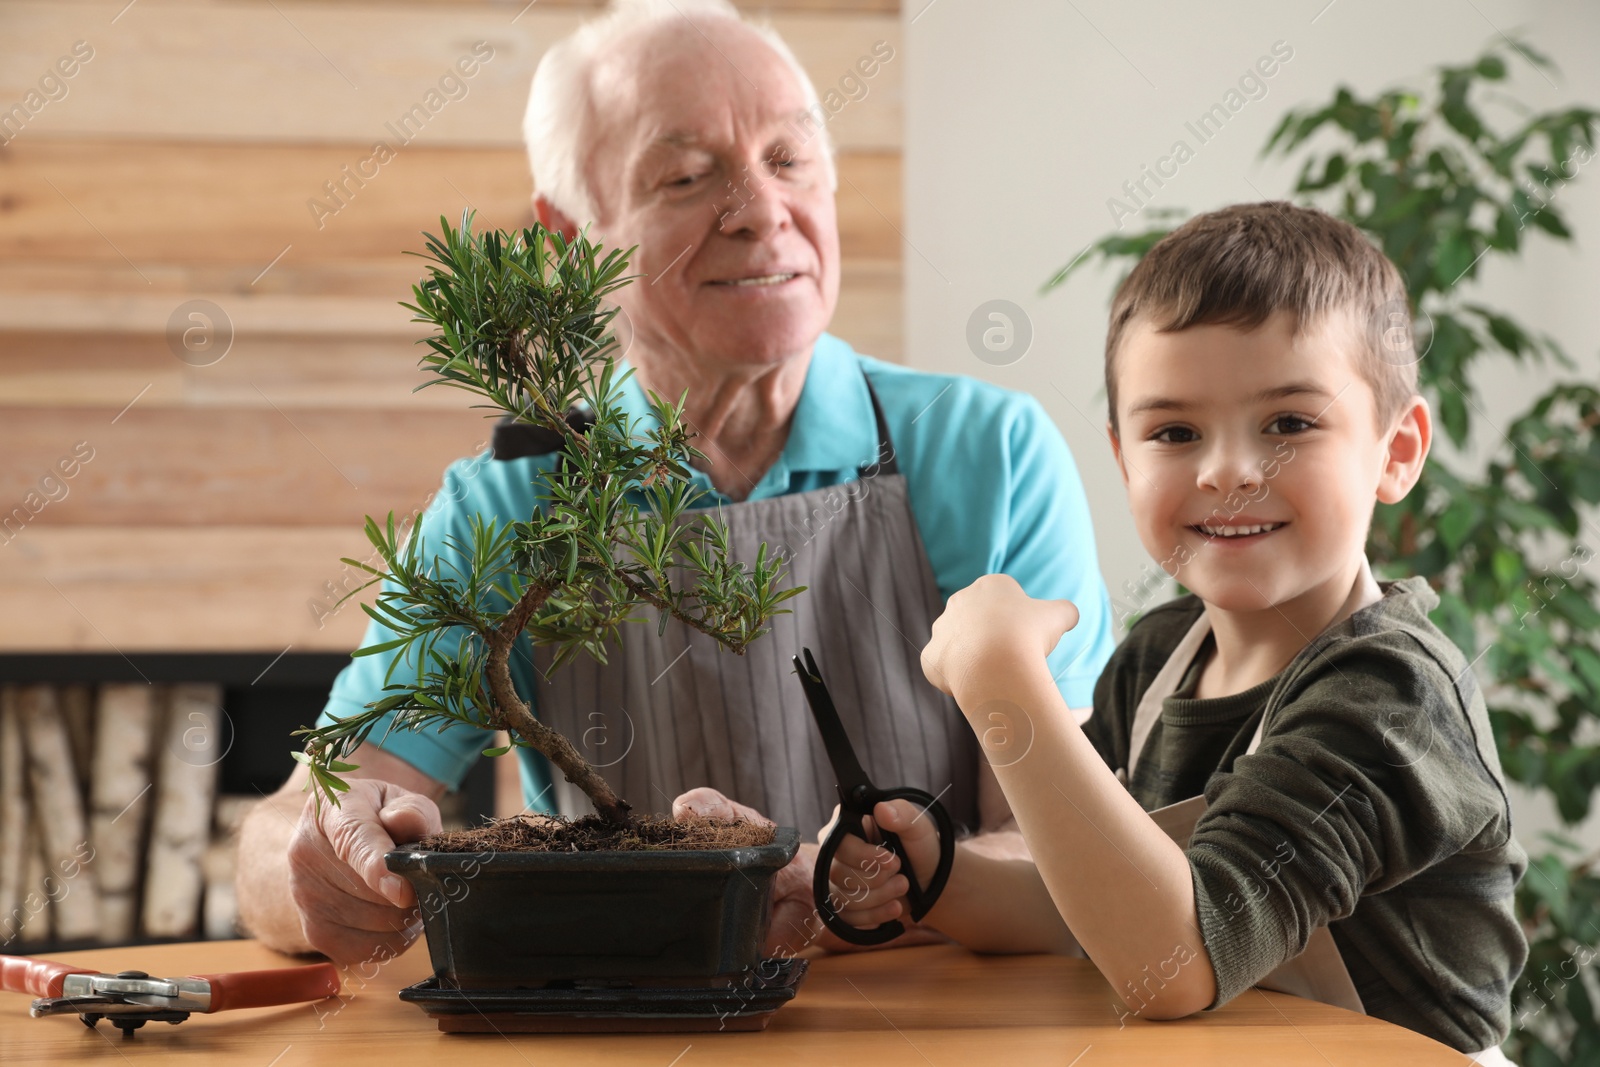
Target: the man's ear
pixel 1116 451
pixel 1407 450
pixel 553 218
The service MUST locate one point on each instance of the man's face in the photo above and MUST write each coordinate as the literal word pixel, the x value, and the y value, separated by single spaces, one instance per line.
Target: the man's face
pixel 695 158
pixel 1222 431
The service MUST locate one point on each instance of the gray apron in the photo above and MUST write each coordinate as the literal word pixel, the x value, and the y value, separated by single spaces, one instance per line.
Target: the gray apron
pixel 669 714
pixel 1319 972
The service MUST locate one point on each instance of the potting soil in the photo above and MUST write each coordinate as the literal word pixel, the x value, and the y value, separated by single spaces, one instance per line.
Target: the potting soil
pixel 546 833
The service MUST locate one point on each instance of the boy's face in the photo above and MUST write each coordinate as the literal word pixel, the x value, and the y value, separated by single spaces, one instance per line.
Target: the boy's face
pixel 1223 431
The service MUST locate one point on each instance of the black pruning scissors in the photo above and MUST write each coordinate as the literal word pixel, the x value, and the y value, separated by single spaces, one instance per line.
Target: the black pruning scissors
pixel 857 797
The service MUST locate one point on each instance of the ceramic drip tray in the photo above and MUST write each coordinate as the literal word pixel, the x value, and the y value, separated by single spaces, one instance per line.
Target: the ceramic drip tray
pixel 743 1003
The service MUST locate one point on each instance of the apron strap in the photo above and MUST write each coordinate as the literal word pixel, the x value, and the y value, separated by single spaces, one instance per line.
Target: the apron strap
pixel 1164 685
pixel 887 462
pixel 517 440
pixel 1255 741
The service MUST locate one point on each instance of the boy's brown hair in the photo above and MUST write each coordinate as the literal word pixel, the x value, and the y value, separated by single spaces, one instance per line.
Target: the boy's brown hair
pixel 1239 265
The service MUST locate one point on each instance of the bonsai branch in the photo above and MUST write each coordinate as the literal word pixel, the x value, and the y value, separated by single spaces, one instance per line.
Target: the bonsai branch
pixel 654 598
pixel 516 717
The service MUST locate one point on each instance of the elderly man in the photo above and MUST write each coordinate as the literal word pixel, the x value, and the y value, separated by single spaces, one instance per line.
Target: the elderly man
pixel 678 128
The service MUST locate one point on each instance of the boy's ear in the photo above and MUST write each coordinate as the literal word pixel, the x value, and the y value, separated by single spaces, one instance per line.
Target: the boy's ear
pixel 1116 451
pixel 552 218
pixel 1407 450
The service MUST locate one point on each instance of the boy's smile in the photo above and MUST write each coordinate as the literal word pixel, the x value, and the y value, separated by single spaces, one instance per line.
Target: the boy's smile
pixel 1253 460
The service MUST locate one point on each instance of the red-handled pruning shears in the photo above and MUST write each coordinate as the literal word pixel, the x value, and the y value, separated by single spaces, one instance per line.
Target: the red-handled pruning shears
pixel 129 999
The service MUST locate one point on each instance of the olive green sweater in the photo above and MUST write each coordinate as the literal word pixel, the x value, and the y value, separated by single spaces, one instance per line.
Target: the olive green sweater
pixel 1374 805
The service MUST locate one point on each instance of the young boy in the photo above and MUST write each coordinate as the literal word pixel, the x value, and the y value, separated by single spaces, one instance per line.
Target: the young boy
pixel 1289 777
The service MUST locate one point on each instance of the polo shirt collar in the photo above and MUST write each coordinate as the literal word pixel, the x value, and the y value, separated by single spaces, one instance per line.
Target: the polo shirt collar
pixel 833 427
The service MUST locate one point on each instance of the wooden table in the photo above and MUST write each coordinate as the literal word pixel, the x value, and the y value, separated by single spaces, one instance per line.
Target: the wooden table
pixel 931 1005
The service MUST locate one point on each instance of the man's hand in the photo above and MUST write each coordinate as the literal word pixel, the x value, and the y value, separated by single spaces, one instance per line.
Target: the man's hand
pixel 992 621
pixel 352 909
pixel 794 919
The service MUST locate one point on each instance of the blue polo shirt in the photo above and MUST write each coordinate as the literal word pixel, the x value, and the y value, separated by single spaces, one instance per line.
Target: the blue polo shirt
pixel 993 490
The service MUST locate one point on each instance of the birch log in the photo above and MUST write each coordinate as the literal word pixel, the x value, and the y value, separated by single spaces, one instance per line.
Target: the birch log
pixel 120 803
pixel 192 742
pixel 77 712
pixel 15 838
pixel 58 807
pixel 35 929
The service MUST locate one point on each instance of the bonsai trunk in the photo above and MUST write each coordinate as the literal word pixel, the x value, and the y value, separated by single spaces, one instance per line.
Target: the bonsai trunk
pixel 515 716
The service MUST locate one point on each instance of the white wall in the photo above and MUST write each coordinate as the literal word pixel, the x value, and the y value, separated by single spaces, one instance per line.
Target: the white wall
pixel 1024 118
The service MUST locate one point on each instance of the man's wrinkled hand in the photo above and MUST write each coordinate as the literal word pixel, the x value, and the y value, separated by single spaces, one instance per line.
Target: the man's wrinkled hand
pixel 352 908
pixel 795 924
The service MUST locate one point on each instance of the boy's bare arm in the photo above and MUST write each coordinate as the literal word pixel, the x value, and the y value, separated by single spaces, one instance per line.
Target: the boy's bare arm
pixel 993 902
pixel 998 835
pixel 1115 877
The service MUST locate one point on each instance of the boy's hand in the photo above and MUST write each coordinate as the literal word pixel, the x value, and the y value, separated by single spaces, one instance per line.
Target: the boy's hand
pixel 992 622
pixel 866 880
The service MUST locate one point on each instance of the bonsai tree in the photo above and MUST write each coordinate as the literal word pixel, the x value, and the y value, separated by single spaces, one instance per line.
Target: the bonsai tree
pixel 1443 186
pixel 520 322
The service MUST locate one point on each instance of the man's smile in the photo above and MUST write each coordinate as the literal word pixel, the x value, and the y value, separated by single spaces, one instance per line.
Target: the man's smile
pixel 759 279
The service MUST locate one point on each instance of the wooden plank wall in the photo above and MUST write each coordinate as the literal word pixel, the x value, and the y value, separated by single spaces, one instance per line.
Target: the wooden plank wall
pixel 169 506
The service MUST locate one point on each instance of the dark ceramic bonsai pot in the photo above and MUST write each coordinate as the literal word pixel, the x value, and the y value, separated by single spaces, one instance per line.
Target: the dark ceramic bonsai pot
pixel 579 920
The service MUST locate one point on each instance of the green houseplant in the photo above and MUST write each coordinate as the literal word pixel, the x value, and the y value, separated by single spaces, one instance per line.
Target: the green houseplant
pixel 622 902
pixel 1443 183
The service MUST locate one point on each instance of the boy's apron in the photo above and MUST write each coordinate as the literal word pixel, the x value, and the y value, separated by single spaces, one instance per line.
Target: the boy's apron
pixel 669 714
pixel 1319 972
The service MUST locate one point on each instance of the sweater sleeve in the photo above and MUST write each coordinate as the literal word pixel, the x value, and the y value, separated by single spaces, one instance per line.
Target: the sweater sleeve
pixel 1367 775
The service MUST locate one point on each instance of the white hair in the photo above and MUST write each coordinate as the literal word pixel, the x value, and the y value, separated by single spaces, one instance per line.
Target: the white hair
pixel 558 100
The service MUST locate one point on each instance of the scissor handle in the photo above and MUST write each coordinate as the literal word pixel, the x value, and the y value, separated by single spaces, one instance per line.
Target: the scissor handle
pixel 921 898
